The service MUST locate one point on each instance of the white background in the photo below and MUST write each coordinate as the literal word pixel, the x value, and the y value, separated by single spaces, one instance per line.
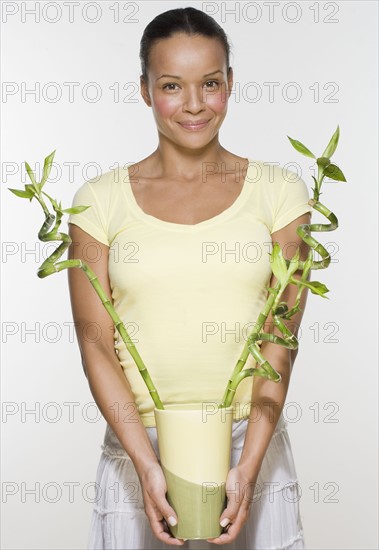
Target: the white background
pixel 329 56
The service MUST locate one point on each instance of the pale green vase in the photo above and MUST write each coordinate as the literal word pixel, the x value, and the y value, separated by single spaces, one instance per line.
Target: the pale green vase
pixel 194 442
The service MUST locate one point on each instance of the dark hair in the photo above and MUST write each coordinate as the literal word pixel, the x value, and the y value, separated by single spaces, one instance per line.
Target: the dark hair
pixel 188 20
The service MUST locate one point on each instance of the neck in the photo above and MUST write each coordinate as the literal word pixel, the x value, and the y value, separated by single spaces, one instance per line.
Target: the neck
pixel 179 163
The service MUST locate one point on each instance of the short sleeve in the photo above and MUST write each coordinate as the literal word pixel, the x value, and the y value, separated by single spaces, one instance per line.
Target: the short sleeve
pixel 92 220
pixel 292 201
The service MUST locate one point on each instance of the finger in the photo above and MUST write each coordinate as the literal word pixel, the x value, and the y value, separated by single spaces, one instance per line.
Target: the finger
pixel 229 536
pixel 238 506
pixel 232 529
pixel 158 498
pixel 224 538
pixel 159 530
pixel 159 525
pixel 233 493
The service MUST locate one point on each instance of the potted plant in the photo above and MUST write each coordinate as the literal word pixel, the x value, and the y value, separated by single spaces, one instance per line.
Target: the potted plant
pixel 196 469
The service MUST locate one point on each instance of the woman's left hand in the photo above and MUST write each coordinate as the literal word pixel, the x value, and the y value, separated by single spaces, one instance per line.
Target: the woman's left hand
pixel 239 489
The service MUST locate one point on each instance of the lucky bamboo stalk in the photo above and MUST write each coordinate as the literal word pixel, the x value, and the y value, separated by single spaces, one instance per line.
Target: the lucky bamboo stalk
pixel 283 271
pixel 49 266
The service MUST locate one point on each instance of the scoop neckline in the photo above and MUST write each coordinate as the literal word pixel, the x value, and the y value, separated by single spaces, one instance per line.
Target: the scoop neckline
pixel 225 214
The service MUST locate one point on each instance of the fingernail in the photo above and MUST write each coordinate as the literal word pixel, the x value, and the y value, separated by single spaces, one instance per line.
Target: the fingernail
pixel 224 522
pixel 172 521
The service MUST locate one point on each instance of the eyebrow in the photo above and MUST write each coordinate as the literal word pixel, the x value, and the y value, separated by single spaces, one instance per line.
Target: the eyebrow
pixel 179 78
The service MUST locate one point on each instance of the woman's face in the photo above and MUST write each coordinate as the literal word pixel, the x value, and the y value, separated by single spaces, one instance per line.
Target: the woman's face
pixel 196 90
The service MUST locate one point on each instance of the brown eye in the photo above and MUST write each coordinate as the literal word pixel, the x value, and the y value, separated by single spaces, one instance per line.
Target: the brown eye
pixel 215 82
pixel 169 84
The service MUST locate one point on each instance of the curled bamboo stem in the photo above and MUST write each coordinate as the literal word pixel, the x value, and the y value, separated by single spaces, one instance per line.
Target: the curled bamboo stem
pixel 280 310
pixel 50 265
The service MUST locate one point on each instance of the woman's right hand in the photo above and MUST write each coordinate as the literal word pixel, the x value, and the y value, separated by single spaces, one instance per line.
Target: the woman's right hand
pixel 157 508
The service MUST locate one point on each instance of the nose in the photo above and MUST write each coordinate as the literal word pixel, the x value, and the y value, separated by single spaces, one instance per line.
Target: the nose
pixel 194 100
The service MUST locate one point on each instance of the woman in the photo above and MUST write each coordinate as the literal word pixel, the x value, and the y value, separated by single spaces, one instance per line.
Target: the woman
pixel 179 242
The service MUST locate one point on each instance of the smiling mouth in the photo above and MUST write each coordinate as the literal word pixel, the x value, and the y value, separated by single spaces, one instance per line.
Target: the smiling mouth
pixel 194 127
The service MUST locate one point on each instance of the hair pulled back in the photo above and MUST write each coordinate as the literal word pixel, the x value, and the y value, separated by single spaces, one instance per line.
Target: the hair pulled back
pixel 188 20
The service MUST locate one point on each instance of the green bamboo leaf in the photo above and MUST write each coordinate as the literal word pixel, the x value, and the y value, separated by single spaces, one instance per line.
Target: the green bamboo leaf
pixel 314 286
pixel 47 168
pixel 29 186
pixel 32 177
pixel 279 266
pixel 31 189
pixel 75 209
pixel 332 171
pixel 323 162
pixel 332 145
pixel 55 204
pixel 53 201
pixel 28 194
pixel 301 148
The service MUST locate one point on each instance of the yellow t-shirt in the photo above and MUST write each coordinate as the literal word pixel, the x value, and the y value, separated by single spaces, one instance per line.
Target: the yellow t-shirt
pixel 189 295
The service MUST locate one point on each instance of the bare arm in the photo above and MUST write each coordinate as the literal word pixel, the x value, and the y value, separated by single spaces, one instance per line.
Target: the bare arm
pixel 107 381
pixel 94 328
pixel 268 398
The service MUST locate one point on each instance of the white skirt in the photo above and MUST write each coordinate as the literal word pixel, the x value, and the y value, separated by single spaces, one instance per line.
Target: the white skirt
pixel 119 520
